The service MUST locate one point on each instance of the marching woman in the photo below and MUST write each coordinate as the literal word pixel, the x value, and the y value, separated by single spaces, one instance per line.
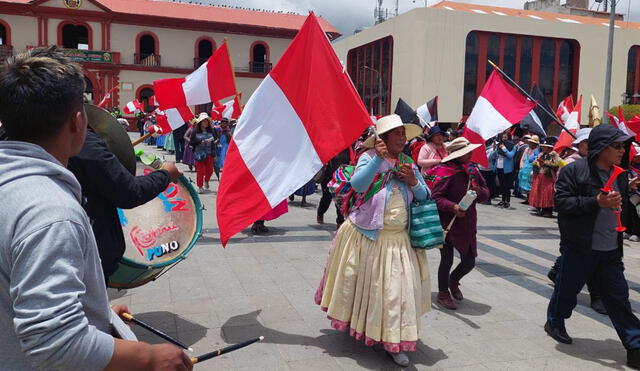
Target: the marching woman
pixel 526 165
pixel 545 173
pixel 375 284
pixel 202 140
pixel 457 176
pixel 433 151
pixel 187 156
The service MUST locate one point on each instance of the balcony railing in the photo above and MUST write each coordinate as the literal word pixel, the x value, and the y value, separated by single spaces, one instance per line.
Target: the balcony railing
pixel 152 60
pixel 259 67
pixel 6 51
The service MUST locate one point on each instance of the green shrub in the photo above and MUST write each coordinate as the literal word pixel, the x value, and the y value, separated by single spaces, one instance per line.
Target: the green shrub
pixel 629 110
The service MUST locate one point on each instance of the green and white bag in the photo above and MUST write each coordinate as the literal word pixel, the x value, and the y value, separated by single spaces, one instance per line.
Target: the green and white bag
pixel 426 231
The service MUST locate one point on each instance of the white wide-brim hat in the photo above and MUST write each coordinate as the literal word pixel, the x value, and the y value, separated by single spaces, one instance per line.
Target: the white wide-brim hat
pixel 458 148
pixel 201 117
pixel 388 123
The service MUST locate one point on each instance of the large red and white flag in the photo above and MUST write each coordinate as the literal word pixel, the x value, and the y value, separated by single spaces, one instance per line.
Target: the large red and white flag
pixel 565 108
pixel 498 107
pixel 173 118
pixel 572 123
pixel 229 110
pixel 212 81
pixel 303 113
pixel 107 98
pixel 132 107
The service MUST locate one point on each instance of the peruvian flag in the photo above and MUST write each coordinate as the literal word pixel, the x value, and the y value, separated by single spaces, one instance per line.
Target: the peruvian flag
pixel 428 112
pixel 572 123
pixel 634 126
pixel 228 110
pixel 107 98
pixel 212 81
pixel 132 107
pixel 498 107
pixel 565 108
pixel 173 118
pixel 303 114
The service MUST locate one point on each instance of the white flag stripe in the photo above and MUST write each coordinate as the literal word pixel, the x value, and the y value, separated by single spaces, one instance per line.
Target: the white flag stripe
pixel 268 115
pixel 423 113
pixel 196 87
pixel 485 120
pixel 174 118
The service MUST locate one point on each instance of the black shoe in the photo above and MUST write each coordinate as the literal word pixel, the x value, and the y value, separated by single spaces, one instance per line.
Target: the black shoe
pixel 506 205
pixel 499 204
pixel 598 305
pixel 559 334
pixel 633 358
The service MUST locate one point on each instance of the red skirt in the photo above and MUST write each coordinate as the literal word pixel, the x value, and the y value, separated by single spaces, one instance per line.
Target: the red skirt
pixel 542 191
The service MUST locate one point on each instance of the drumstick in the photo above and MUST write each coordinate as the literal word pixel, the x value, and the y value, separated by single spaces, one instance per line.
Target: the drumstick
pixel 144 325
pixel 222 351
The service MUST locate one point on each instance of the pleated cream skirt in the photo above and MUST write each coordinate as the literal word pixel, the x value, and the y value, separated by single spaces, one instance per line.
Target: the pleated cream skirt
pixel 377 289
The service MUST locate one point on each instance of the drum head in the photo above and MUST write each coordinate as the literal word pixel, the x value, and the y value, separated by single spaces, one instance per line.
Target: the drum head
pixel 163 230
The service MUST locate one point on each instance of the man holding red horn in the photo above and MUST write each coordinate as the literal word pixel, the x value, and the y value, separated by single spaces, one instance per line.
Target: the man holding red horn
pixel 590 238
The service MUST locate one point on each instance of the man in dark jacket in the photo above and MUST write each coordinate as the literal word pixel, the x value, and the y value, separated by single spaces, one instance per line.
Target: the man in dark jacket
pixel 589 242
pixel 108 185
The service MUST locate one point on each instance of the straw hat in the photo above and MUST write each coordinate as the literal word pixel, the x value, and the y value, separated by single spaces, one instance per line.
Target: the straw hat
pixel 458 148
pixel 388 123
pixel 534 139
pixel 202 116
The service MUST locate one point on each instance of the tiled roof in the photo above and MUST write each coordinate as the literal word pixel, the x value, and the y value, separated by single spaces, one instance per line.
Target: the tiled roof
pixel 203 13
pixel 531 14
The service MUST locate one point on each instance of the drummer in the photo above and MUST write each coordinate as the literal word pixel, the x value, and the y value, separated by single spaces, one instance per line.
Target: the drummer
pixel 54 312
pixel 106 186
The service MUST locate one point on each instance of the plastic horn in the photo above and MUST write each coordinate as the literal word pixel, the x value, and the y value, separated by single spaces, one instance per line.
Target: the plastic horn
pixel 616 172
pixel 144 325
pixel 619 227
pixel 222 351
pixel 154 130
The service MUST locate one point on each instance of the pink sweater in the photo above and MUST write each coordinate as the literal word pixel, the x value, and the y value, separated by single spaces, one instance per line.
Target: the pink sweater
pixel 430 156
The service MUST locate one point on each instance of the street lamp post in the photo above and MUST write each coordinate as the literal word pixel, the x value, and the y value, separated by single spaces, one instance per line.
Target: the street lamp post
pixel 607 81
pixel 379 87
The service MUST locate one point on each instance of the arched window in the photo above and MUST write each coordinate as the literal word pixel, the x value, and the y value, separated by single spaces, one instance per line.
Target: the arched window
pixel 147 52
pixel 88 90
pixel 3 35
pixel 259 58
pixel 470 73
pixel 6 50
pixel 75 36
pixel 143 96
pixel 204 50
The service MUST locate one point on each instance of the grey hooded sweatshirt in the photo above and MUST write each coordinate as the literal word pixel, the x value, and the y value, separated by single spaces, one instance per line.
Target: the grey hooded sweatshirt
pixel 54 311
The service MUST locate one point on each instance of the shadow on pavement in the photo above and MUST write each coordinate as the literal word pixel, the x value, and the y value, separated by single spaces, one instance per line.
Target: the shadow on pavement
pixel 169 323
pixel 335 343
pixel 466 307
pixel 584 349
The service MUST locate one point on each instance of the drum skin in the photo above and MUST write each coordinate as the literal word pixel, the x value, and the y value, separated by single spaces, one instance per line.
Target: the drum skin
pixel 158 234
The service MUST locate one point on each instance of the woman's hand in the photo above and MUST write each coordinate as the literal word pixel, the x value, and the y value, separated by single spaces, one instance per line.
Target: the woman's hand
pixel 407 175
pixel 381 148
pixel 459 212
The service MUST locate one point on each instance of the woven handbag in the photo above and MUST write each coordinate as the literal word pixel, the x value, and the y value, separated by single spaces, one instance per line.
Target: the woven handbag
pixel 426 231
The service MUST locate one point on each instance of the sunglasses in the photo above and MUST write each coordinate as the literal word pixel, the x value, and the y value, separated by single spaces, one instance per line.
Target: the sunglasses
pixel 617 146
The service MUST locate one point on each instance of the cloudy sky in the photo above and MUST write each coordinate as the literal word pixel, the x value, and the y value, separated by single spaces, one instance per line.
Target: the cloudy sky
pixel 347 15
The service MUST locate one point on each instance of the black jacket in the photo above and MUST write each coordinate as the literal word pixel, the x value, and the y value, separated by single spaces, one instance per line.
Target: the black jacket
pixel 576 191
pixel 107 185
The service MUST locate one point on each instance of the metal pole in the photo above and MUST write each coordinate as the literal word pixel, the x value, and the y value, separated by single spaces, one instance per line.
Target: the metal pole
pixel 607 79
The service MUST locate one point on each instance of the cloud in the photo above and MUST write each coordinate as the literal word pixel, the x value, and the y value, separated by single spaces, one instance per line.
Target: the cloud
pixel 348 15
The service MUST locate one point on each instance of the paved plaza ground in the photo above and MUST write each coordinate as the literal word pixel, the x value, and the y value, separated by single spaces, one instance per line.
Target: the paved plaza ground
pixel 264 285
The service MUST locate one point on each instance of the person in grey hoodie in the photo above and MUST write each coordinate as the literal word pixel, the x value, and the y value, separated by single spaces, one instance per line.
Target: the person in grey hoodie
pixel 54 311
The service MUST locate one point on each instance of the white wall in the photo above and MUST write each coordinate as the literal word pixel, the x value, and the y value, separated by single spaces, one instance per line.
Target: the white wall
pixel 24 31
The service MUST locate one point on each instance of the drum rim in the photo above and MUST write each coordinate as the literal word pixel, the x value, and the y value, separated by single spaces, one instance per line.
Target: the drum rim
pixel 194 239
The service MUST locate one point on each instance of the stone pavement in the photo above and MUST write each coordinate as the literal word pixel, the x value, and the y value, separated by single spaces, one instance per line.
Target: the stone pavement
pixel 264 285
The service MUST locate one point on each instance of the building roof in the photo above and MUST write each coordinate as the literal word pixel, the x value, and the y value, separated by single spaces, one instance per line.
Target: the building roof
pixel 202 13
pixel 531 14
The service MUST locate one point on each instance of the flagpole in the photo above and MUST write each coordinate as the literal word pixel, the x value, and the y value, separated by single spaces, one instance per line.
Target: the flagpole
pixel 552 115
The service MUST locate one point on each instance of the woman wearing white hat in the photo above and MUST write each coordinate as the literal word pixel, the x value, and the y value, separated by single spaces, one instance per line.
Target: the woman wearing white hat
pixel 375 284
pixel 202 140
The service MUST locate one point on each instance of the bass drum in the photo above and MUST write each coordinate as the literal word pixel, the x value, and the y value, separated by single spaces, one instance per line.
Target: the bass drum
pixel 158 234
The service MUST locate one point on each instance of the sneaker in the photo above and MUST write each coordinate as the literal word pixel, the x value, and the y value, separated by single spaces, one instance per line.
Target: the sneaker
pixel 400 358
pixel 454 288
pixel 559 334
pixel 201 190
pixel 500 204
pixel 634 238
pixel 444 299
pixel 206 185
